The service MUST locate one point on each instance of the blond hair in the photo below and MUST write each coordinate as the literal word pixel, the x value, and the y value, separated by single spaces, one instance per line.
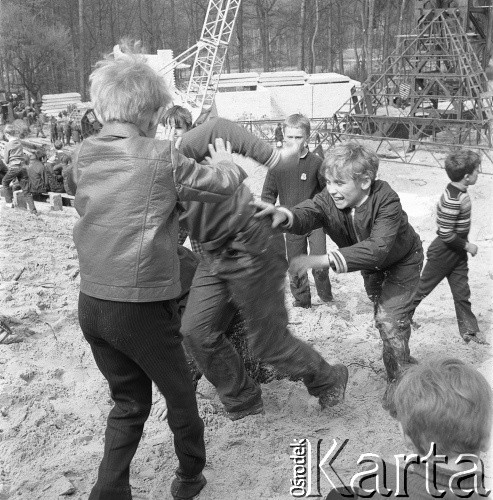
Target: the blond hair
pixel 353 160
pixel 446 402
pixel 126 89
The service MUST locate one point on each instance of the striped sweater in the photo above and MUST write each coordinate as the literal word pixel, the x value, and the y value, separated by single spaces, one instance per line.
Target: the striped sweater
pixel 454 217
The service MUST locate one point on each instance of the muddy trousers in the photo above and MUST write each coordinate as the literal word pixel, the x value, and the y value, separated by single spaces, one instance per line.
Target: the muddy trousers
pixel 248 273
pixel 392 293
pixel 300 286
pixel 443 262
pixel 134 344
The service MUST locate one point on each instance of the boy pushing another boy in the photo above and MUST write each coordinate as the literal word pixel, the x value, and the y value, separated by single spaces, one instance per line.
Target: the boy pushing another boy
pixel 364 217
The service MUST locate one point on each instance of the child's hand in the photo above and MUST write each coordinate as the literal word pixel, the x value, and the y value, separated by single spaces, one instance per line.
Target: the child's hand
pixel 471 248
pixel 160 409
pixel 220 152
pixel 268 209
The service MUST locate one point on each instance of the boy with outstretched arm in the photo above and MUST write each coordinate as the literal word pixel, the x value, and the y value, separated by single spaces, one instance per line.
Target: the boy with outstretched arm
pixel 447 255
pixel 364 217
pixel 128 185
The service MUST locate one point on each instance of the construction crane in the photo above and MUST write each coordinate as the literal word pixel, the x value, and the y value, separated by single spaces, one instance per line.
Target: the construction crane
pixel 209 54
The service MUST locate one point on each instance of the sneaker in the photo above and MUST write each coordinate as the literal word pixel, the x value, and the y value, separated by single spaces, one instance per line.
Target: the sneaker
pixel 186 488
pixel 304 305
pixel 477 337
pixel 335 394
pixel 256 409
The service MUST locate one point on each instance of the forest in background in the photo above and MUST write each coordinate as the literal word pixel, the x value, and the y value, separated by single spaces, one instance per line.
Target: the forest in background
pixel 50 46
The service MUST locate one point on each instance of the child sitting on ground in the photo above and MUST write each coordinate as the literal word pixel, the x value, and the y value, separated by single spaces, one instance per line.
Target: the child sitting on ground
pixel 447 254
pixel 444 411
pixel 364 217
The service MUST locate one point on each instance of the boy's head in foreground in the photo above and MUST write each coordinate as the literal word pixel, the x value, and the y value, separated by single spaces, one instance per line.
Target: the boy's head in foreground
pixel 178 118
pixel 447 402
pixel 126 89
pixel 297 131
pixel 463 166
pixel 350 170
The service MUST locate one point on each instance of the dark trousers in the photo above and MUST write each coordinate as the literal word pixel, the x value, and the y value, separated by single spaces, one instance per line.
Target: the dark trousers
pixel 134 344
pixel 443 262
pixel 17 172
pixel 392 293
pixel 249 274
pixel 300 286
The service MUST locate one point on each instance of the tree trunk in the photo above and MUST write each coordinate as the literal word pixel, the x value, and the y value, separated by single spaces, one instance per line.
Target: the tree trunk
pixel 371 20
pixel 314 37
pixel 239 35
pixel 302 35
pixel 82 75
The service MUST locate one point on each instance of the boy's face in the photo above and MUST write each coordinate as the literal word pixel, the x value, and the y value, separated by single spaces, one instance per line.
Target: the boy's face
pixel 345 191
pixel 295 136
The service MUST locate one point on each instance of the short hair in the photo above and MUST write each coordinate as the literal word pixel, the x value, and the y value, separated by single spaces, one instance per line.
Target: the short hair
pixel 58 144
pixel 125 88
pixel 461 163
pixel 178 117
pixel 353 160
pixel 446 402
pixel 39 153
pixel 298 121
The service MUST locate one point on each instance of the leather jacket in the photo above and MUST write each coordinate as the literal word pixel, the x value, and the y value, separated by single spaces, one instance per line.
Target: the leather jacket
pixel 128 189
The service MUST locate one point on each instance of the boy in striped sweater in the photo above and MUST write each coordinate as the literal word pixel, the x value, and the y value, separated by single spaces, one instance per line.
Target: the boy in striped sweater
pixel 447 254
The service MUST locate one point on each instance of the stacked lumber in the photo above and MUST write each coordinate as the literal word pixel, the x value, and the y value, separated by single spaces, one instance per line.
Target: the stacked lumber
pixel 52 104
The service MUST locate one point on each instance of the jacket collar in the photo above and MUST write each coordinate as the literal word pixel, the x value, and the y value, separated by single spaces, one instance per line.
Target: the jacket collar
pixel 120 129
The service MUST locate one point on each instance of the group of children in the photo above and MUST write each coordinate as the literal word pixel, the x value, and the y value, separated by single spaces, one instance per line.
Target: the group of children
pixel 33 172
pixel 130 266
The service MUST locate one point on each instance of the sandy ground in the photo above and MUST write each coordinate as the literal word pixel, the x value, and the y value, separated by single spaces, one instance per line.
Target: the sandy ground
pixel 54 401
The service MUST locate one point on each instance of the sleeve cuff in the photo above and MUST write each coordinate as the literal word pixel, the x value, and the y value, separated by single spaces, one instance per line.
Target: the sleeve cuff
pixel 337 261
pixel 289 214
pixel 274 158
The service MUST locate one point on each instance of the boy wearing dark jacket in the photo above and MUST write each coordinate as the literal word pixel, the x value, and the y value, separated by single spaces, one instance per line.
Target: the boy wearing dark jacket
pixel 293 184
pixel 364 217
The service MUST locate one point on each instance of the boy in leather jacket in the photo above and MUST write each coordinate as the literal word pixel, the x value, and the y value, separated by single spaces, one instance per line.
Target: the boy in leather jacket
pixel 128 188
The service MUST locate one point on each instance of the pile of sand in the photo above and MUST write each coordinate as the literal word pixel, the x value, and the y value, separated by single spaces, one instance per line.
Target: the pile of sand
pixel 54 401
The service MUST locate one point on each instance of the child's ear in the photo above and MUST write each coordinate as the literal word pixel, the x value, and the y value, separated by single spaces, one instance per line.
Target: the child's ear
pixel 365 182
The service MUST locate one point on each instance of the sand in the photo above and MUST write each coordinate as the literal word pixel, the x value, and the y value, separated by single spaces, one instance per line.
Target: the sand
pixel 54 401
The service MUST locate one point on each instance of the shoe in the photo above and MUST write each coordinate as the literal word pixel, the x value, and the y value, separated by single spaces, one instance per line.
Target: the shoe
pixel 327 298
pixel 477 337
pixel 256 409
pixel 186 488
pixel 304 305
pixel 335 394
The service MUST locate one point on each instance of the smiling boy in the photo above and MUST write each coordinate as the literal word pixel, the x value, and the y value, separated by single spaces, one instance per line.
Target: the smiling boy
pixel 365 219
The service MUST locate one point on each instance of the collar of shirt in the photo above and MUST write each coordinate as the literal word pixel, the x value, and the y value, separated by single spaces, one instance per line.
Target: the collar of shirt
pixel 304 153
